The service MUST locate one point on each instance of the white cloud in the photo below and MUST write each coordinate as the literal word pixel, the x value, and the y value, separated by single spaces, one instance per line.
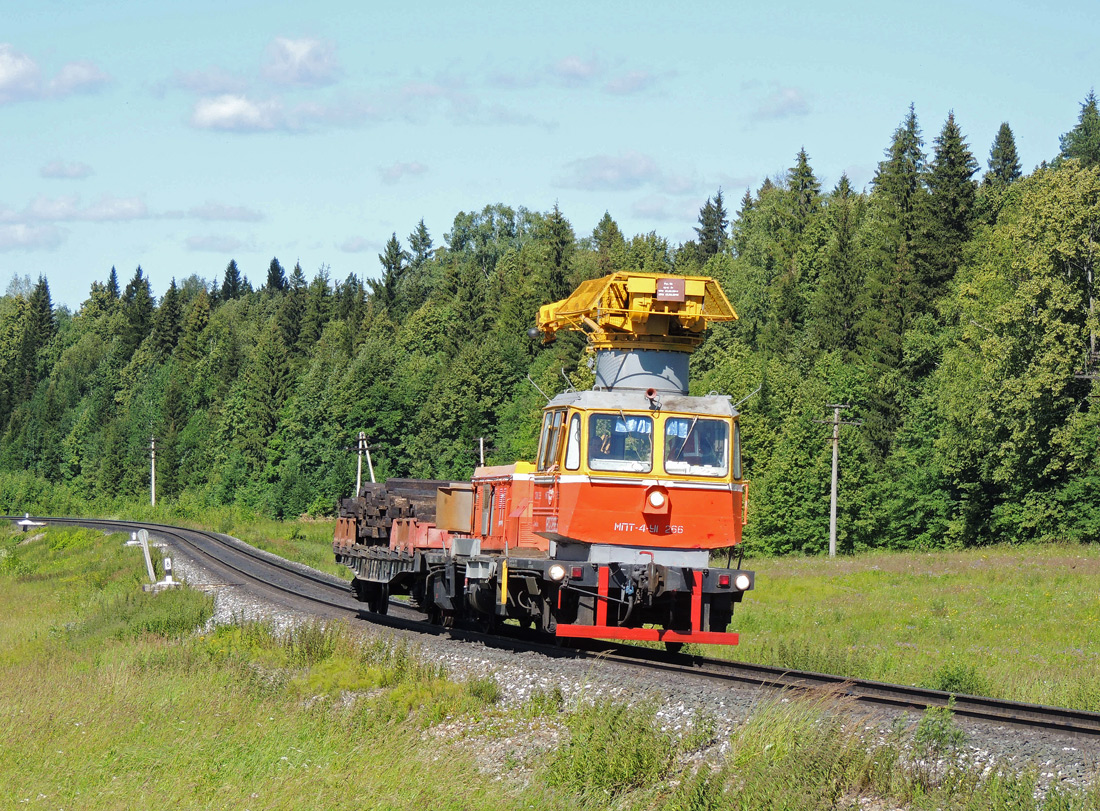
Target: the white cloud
pixel 633 82
pixel 783 102
pixel 214 243
pixel 220 212
pixel 398 171
pixel 19 75
pixel 611 173
pixel 237 113
pixel 67 171
pixel 116 209
pixel 21 78
pixel 77 77
pixel 69 209
pixel 573 70
pixel 356 245
pixel 30 237
pixel 305 61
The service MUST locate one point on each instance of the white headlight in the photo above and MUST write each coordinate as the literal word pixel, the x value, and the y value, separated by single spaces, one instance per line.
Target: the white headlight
pixel 742 582
pixel 657 498
pixel 556 572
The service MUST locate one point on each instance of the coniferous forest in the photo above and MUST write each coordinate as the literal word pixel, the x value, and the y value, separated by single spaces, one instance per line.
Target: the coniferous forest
pixel 949 304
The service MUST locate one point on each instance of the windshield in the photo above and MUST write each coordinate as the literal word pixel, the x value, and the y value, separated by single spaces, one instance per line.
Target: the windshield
pixel 620 442
pixel 696 447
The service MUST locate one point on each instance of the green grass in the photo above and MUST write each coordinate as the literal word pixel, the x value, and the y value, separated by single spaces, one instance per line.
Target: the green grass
pixel 111 698
pixel 1014 622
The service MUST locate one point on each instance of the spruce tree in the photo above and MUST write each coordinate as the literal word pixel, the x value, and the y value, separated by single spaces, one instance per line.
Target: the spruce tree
pixel 137 309
pixel 950 205
pixel 713 222
pixel 190 347
pixel 1004 163
pixel 894 294
pixel 316 313
pixel 112 284
pixel 297 278
pixel 276 278
pixel 420 245
pixel 394 262
pixel 349 300
pixel 231 284
pixel 1083 141
pixel 38 329
pixel 898 180
pixel 166 322
pixel 805 191
pixel 293 307
pixel 834 303
pixel 608 241
pixel 559 237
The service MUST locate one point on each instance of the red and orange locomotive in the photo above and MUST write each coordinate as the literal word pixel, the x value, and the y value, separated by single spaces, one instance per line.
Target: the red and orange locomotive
pixel 608 534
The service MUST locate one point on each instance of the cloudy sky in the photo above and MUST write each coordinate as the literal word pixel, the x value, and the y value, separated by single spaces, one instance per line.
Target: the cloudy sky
pixel 180 135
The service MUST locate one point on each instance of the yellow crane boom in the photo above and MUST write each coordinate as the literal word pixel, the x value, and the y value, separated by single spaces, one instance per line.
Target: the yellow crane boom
pixel 628 310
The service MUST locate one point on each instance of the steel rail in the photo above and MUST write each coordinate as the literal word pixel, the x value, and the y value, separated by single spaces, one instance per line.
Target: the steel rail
pixel 882 694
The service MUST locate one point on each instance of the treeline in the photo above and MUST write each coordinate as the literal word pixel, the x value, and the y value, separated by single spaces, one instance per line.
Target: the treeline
pixel 950 308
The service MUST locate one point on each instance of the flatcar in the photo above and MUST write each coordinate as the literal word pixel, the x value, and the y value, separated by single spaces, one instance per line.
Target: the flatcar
pixel 609 533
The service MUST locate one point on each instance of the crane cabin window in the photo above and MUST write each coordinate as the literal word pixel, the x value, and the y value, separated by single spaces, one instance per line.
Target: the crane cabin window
pixel 696 447
pixel 550 442
pixel 621 442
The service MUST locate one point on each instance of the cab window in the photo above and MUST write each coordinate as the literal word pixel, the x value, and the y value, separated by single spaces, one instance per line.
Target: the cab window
pixel 696 447
pixel 737 450
pixel 621 442
pixel 550 442
pixel 573 444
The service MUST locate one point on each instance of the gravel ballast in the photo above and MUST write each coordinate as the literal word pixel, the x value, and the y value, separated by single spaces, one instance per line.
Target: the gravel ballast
pixel 679 700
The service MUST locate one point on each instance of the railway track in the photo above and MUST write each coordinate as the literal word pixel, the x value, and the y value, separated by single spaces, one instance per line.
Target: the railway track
pixel 297 586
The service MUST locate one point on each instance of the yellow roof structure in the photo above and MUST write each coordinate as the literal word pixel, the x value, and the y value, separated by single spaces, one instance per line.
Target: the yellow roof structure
pixel 629 310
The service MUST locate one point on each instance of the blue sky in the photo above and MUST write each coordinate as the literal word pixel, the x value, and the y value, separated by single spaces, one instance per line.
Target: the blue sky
pixel 180 135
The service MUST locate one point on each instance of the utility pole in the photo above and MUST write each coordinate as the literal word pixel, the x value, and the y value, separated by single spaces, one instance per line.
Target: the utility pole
pixel 153 471
pixel 836 422
pixel 481 446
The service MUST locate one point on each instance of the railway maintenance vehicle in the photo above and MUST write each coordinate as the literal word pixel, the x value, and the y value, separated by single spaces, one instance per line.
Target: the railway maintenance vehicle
pixel 608 533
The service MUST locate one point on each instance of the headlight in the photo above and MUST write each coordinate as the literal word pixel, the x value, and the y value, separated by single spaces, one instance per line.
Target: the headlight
pixel 656 499
pixel 556 572
pixel 742 582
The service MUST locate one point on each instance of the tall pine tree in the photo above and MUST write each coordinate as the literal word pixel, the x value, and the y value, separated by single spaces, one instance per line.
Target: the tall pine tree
pixel 951 201
pixel 276 278
pixel 1083 141
pixel 394 260
pixel 166 322
pixel 232 286
pixel 805 191
pixel 420 245
pixel 1004 163
pixel 713 224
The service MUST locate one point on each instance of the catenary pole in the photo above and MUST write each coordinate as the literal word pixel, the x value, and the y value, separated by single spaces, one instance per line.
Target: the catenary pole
pixel 836 422
pixel 153 471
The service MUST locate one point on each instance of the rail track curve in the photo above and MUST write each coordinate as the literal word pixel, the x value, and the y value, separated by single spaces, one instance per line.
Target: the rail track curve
pixel 298 586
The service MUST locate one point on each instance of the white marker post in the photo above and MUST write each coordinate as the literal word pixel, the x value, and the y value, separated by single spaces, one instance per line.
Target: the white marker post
pixel 143 536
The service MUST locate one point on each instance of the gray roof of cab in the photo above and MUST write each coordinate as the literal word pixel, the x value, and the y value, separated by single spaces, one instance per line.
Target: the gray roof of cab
pixel 716 405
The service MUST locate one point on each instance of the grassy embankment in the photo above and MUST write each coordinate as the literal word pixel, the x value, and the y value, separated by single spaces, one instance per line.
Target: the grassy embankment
pixel 110 699
pixel 1013 622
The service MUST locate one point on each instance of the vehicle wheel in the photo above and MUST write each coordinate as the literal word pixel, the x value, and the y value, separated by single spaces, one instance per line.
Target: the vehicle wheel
pixel 674 647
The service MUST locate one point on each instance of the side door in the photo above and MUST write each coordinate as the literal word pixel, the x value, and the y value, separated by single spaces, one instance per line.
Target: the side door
pixel 546 501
